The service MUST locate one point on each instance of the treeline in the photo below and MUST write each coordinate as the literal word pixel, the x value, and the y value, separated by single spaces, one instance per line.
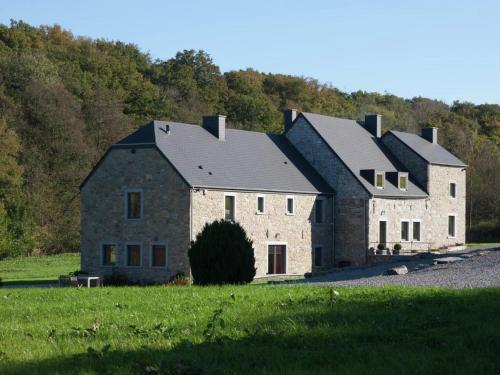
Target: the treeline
pixel 65 99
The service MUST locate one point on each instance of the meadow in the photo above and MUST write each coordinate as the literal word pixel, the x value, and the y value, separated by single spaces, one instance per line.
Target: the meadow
pixel 249 329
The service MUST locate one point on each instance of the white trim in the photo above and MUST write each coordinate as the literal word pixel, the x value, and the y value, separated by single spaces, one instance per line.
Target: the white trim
pixel 293 205
pixel 314 255
pixel 228 194
pixel 449 189
pixel 126 204
pixel 323 216
pixel 101 258
pixel 133 243
pixel 158 243
pixel 401 221
pixel 383 180
pixel 412 238
pixel 267 256
pixel 263 205
pixel 454 225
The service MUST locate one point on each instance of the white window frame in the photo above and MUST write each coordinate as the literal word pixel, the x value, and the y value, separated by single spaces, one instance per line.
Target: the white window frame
pixel 126 204
pixel 411 237
pixel 401 230
pixel 449 189
pixel 405 176
pixel 448 225
pixel 101 255
pixel 383 179
pixel 314 255
pixel 229 194
pixel 323 216
pixel 133 243
pixel 263 206
pixel 386 230
pixel 286 256
pixel 293 205
pixel 156 243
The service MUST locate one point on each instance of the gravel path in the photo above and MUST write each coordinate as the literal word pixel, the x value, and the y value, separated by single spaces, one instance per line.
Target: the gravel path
pixel 474 270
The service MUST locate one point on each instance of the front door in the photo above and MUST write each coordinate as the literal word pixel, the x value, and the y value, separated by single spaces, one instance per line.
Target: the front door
pixel 382 232
pixel 276 259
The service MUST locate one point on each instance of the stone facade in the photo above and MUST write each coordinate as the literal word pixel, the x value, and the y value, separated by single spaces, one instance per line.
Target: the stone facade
pixel 298 232
pixel 165 213
pixel 351 199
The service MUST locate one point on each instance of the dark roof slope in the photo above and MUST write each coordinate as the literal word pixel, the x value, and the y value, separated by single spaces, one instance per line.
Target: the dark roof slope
pixel 430 152
pixel 359 150
pixel 244 161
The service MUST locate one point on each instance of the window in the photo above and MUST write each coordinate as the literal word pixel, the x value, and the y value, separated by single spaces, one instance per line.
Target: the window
pixel 108 255
pixel 158 255
pixel 133 255
pixel 453 190
pixel 290 205
pixel 260 204
pixel 229 210
pixel 318 256
pixel 403 182
pixel 319 211
pixel 416 231
pixel 379 180
pixel 405 230
pixel 451 226
pixel 134 204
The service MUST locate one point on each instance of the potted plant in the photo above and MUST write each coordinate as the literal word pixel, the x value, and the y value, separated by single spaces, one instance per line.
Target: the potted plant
pixel 381 249
pixel 397 249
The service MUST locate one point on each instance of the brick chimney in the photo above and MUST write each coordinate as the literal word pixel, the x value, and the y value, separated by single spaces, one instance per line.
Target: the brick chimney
pixel 373 123
pixel 290 116
pixel 430 134
pixel 215 124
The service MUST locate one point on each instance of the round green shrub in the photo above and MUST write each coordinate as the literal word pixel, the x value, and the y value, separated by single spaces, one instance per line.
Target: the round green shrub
pixel 397 247
pixel 222 254
pixel 381 246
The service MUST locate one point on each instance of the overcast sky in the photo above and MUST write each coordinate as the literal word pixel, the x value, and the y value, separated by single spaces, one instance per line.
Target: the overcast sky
pixel 448 50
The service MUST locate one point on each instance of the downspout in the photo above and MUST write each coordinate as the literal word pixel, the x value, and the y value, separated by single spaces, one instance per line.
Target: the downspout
pixel 365 230
pixel 333 230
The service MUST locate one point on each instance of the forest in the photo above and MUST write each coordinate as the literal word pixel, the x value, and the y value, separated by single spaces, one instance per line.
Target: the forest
pixel 64 99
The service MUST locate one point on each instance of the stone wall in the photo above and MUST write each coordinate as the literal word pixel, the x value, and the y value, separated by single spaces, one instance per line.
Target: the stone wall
pixel 165 213
pixel 298 231
pixel 350 231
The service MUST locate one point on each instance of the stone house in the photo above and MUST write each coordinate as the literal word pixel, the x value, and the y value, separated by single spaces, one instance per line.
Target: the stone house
pixel 320 194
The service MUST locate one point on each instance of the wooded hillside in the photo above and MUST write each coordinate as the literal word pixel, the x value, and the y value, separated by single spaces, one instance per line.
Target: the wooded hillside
pixel 65 99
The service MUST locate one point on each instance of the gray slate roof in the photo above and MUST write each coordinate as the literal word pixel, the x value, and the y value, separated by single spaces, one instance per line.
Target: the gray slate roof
pixel 432 153
pixel 244 161
pixel 359 150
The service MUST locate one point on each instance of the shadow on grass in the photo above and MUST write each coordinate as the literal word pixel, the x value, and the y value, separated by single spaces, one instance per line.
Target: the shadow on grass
pixel 439 332
pixel 30 283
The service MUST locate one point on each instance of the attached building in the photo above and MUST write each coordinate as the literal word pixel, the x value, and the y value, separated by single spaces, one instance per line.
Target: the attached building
pixel 319 195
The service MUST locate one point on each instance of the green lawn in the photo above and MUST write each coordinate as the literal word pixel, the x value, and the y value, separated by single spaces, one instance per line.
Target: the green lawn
pixel 249 329
pixel 37 269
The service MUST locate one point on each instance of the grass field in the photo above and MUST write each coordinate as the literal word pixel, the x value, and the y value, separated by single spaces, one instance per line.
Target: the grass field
pixel 249 329
pixel 38 269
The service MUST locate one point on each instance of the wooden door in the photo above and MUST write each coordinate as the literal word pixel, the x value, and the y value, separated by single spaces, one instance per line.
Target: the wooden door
pixel 276 259
pixel 382 232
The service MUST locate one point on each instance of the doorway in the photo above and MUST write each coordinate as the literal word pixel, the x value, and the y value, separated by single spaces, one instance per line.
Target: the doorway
pixel 382 232
pixel 276 255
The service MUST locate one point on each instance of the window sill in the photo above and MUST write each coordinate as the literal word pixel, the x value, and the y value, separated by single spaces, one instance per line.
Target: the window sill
pixel 259 213
pixel 451 237
pixel 288 214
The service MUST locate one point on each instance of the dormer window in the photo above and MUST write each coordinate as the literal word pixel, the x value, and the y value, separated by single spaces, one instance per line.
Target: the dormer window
pixel 379 180
pixel 403 182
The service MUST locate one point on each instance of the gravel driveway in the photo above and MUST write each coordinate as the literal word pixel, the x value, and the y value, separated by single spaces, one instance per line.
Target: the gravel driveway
pixel 473 270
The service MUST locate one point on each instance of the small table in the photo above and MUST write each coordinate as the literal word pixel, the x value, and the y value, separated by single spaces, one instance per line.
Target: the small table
pixel 88 279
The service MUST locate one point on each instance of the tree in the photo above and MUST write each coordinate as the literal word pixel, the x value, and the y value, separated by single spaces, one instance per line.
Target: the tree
pixel 222 254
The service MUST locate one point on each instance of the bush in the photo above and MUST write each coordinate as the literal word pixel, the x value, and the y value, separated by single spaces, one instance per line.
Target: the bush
pixel 484 231
pixel 117 279
pixel 179 279
pixel 381 246
pixel 397 247
pixel 222 254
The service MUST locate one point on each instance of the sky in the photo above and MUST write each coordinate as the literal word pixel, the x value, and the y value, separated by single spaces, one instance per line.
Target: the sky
pixel 441 49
